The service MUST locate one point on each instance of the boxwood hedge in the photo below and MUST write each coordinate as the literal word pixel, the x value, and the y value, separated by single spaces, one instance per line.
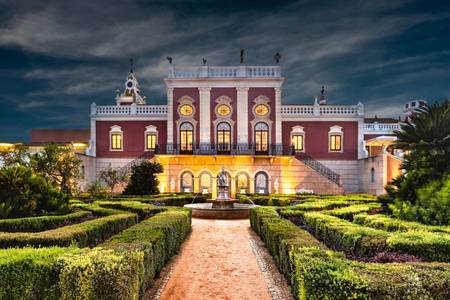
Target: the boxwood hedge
pixel 84 234
pixel 317 273
pixel 158 238
pixel 35 224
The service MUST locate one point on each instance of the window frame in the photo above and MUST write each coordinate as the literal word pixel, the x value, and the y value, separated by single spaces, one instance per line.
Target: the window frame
pixel 116 131
pixel 335 131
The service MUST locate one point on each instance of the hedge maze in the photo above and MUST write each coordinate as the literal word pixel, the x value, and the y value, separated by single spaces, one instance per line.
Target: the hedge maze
pixel 346 248
pixel 105 249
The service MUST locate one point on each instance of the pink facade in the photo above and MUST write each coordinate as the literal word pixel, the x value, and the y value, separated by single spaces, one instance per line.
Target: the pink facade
pixel 178 94
pixel 230 93
pixel 133 137
pixel 316 138
pixel 253 93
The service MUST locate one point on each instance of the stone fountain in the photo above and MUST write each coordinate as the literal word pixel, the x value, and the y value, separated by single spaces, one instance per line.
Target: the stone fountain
pixel 223 207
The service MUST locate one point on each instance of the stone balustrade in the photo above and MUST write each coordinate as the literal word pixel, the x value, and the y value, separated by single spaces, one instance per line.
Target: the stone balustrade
pixel 225 72
pixel 381 127
pixel 128 110
pixel 292 111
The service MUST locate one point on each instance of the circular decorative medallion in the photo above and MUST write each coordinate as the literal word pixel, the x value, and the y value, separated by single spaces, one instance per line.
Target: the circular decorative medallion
pixel 186 110
pixel 223 110
pixel 261 110
pixel 129 84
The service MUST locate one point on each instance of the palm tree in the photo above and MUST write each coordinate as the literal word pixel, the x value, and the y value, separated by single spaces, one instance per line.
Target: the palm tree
pixel 425 136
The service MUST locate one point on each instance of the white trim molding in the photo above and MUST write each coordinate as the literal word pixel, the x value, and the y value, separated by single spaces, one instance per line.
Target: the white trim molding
pixel 336 131
pixel 115 129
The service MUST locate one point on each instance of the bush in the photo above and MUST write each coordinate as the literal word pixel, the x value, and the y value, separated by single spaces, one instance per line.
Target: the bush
pixel 143 179
pixel 83 234
pixel 35 224
pixel 432 206
pixel 158 238
pixel 348 212
pixel 24 194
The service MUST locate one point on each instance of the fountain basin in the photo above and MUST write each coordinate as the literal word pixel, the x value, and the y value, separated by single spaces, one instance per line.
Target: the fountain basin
pixel 229 210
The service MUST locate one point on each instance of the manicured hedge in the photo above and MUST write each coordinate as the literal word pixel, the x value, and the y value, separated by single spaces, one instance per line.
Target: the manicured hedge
pixel 97 210
pixel 366 241
pixel 83 234
pixel 69 273
pixel 317 273
pixel 142 209
pixel 348 212
pixel 35 224
pixel 158 238
pixel 387 223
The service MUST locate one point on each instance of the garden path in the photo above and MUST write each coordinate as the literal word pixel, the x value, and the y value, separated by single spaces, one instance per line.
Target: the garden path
pixel 217 262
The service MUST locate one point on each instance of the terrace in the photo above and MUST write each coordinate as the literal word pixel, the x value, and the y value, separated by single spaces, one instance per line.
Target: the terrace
pixel 225 72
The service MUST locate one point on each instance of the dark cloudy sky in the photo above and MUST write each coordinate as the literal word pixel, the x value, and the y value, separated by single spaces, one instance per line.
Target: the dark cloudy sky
pixel 56 57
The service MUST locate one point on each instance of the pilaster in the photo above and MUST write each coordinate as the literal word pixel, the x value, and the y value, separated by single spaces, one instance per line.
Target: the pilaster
pixel 170 116
pixel 205 118
pixel 242 115
pixel 278 134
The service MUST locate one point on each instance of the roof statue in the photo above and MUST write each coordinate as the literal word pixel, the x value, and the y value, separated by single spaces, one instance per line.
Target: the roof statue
pixel 322 99
pixel 277 57
pixel 242 56
pixel 169 59
pixel 204 61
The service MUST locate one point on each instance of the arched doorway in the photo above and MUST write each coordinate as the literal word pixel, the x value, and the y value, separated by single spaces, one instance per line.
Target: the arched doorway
pixel 205 183
pixel 187 182
pixel 261 138
pixel 261 183
pixel 242 183
pixel 186 137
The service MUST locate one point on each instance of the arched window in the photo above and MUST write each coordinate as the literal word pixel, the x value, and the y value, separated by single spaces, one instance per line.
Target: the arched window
pixel 261 137
pixel 205 183
pixel 242 183
pixel 261 183
pixel 223 136
pixel 372 175
pixel 186 137
pixel 187 182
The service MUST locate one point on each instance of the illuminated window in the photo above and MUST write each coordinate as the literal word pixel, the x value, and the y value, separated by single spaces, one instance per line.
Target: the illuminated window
pixel 297 142
pixel 223 137
pixel 115 138
pixel 116 141
pixel 151 141
pixel 187 182
pixel 186 137
pixel 335 142
pixel 261 137
pixel 335 138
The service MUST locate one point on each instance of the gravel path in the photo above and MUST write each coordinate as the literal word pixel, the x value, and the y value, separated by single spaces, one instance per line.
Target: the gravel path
pixel 222 259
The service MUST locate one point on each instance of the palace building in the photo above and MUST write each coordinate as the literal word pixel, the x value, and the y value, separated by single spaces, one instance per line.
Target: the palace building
pixel 234 117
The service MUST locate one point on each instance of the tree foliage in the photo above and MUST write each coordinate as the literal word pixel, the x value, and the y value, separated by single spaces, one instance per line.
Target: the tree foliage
pixel 112 177
pixel 59 165
pixel 23 193
pixel 143 179
pixel 425 138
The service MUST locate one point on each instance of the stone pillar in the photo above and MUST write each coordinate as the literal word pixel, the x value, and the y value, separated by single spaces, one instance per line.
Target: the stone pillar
pixel 205 118
pixel 278 134
pixel 214 188
pixel 169 118
pixel 242 116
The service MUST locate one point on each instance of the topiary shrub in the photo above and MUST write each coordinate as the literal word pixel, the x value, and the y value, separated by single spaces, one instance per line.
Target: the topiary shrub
pixel 143 179
pixel 23 194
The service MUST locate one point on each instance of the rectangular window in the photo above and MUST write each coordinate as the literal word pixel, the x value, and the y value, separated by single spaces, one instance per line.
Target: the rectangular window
pixel 335 142
pixel 116 141
pixel 297 142
pixel 151 141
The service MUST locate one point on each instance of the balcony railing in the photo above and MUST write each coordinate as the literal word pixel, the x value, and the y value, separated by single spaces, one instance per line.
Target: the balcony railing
pixel 293 111
pixel 129 110
pixel 225 72
pixel 319 167
pixel 381 127
pixel 224 149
